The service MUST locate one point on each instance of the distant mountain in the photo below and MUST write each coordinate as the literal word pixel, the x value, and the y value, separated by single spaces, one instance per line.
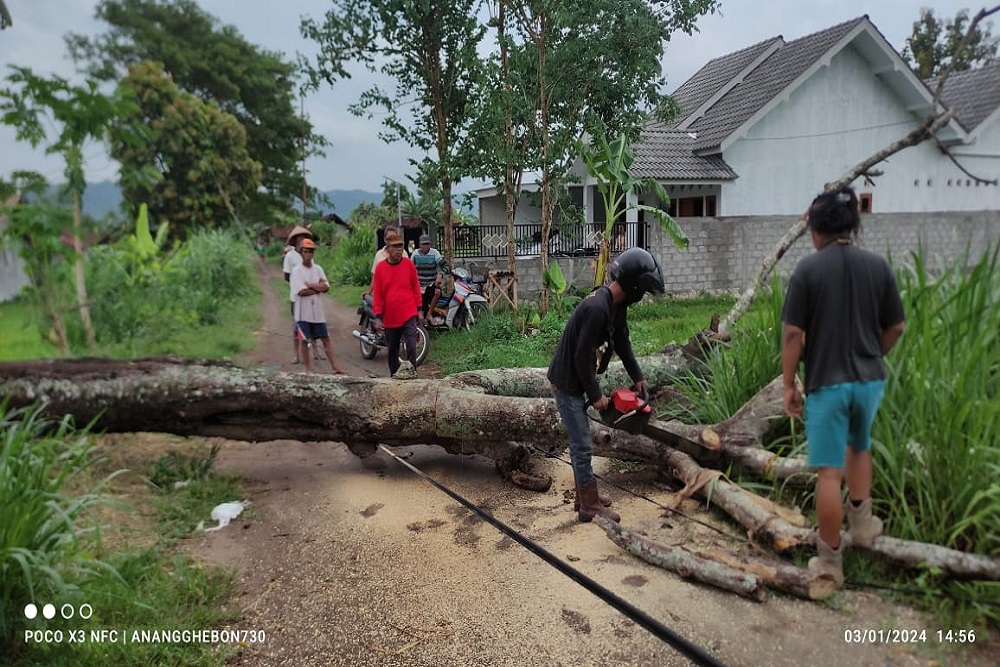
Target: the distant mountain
pixel 103 196
pixel 100 198
pixel 345 201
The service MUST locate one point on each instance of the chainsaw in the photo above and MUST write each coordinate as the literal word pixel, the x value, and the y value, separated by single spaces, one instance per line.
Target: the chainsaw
pixel 627 411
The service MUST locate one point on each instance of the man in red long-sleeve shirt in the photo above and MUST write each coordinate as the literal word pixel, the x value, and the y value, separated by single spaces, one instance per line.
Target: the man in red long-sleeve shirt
pixel 396 301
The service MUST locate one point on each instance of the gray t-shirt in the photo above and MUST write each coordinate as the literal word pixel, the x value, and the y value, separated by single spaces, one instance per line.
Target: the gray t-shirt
pixel 843 297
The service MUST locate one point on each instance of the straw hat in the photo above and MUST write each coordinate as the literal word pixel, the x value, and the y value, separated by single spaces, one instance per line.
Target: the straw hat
pixel 299 230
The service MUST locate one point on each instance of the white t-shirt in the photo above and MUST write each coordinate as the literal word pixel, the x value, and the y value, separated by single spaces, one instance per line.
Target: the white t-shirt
pixel 307 308
pixel 292 259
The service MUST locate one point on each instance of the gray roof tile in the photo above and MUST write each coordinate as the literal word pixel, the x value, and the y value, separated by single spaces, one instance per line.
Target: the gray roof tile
pixel 764 83
pixel 716 74
pixel 974 94
pixel 668 154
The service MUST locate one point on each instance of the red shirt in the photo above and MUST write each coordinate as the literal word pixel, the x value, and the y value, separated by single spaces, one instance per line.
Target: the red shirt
pixel 396 294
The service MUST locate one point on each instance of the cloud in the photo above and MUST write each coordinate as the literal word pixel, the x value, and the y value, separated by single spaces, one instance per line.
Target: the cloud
pixel 358 158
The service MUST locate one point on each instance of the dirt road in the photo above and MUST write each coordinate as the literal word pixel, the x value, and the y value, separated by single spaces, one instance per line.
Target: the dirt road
pixel 360 562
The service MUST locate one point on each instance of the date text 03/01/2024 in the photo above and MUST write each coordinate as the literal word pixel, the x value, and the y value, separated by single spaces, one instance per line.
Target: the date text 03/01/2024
pixel 908 636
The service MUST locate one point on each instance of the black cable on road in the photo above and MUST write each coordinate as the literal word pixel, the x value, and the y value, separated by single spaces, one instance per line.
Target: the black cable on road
pixel 689 650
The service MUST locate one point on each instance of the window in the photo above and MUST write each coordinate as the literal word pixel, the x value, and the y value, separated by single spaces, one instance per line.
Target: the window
pixel 865 200
pixel 693 207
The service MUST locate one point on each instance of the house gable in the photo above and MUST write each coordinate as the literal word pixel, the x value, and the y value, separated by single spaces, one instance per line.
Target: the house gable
pixel 797 62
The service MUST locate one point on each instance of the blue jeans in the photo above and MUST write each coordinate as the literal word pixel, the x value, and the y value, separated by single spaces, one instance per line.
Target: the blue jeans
pixel 573 412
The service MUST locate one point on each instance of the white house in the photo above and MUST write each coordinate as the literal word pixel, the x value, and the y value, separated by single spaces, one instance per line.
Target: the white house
pixel 762 129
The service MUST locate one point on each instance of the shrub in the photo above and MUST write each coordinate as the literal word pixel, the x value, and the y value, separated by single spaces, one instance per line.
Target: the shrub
pixel 41 556
pixel 350 263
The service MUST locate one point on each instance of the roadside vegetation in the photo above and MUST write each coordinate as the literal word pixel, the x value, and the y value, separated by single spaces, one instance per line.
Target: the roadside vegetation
pixel 77 529
pixel 936 453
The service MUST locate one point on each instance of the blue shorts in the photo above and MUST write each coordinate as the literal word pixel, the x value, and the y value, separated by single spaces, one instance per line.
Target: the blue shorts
pixel 313 330
pixel 839 415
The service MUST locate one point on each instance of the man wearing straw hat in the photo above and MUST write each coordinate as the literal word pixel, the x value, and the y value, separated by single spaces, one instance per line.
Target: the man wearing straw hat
pixel 291 260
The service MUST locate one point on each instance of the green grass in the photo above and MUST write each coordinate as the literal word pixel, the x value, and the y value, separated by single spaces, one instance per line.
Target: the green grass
pixel 51 550
pixel 519 339
pixel 19 332
pixel 42 555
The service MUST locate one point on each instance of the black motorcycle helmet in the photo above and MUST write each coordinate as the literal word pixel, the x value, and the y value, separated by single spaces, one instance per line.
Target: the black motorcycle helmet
pixel 637 272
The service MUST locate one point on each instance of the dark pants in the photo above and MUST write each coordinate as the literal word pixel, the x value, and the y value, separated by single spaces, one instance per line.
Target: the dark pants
pixel 408 333
pixel 429 298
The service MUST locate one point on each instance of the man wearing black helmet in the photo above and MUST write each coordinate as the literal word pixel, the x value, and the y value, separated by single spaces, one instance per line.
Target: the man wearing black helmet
pixel 596 330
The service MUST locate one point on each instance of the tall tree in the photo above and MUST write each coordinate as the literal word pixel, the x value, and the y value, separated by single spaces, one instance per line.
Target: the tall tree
pixel 428 49
pixel 933 45
pixel 504 123
pixel 621 42
pixel 194 169
pixel 216 64
pixel 82 114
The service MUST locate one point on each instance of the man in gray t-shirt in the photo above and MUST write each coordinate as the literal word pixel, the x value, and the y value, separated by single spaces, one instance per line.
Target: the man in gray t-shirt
pixel 842 314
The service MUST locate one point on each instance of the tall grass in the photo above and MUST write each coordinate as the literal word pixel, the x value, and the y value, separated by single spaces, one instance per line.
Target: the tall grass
pixel 42 556
pixel 735 371
pixel 937 453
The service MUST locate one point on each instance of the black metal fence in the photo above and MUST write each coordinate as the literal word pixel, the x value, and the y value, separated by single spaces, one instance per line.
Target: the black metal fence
pixel 583 241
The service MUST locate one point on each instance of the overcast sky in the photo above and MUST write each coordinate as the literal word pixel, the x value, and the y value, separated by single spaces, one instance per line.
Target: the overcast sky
pixel 357 158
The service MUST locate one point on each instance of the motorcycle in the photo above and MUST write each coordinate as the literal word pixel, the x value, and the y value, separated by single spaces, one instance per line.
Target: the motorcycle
pixel 371 339
pixel 460 309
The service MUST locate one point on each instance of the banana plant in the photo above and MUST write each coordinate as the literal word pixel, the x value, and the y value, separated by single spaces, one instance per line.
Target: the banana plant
pixel 609 164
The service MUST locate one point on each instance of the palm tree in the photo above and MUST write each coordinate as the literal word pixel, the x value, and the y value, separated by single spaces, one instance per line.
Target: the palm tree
pixel 5 21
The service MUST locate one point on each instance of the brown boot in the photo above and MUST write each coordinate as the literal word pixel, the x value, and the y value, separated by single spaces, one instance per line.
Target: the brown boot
pixel 603 498
pixel 828 561
pixel 864 527
pixel 590 505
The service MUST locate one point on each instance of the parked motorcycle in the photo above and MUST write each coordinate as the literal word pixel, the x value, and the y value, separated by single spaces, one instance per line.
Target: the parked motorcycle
pixel 372 339
pixel 460 309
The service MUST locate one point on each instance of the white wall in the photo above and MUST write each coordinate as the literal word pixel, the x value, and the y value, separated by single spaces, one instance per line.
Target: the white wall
pixel 840 116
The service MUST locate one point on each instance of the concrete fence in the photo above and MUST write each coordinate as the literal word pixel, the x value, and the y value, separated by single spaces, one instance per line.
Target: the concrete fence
pixel 725 252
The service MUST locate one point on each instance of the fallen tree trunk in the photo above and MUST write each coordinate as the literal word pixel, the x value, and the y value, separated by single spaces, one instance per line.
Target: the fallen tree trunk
pixel 194 398
pixel 197 398
pixel 783 577
pixel 659 370
pixel 684 562
pixel 763 523
pixel 723 569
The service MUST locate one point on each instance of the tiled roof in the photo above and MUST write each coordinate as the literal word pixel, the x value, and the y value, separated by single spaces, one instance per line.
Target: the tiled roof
pixel 665 153
pixel 974 94
pixel 693 153
pixel 716 74
pixel 764 83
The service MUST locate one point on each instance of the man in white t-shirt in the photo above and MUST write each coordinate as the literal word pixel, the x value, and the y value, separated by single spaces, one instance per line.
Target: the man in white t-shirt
pixel 308 283
pixel 292 259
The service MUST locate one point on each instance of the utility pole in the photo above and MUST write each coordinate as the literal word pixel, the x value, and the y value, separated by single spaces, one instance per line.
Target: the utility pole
pixel 302 149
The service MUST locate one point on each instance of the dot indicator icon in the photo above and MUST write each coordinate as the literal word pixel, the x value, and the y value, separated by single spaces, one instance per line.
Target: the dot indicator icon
pixel 30 611
pixel 49 611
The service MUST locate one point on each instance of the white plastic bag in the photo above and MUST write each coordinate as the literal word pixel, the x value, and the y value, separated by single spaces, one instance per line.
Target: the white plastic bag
pixel 226 512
